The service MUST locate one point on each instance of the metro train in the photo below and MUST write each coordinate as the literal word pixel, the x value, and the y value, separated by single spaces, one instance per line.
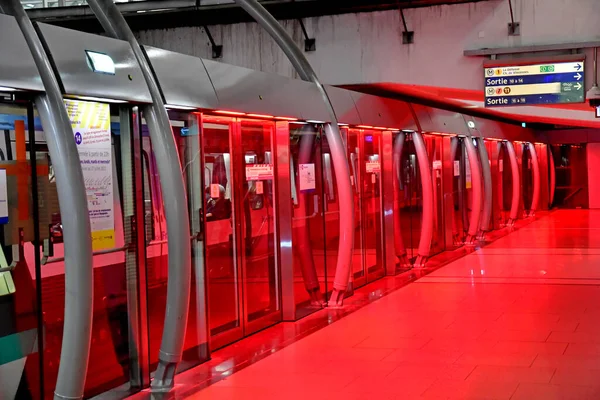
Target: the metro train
pixel 259 180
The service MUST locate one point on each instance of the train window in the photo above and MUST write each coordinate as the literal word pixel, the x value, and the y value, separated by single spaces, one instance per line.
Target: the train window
pixel 148 206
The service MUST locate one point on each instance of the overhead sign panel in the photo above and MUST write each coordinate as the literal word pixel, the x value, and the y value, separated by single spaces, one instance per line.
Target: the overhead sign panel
pixel 519 85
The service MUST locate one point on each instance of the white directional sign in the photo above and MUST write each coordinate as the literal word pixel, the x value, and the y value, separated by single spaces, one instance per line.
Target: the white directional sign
pixel 553 83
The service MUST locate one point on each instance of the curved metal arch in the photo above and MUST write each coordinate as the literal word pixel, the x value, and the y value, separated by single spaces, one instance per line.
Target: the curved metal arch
pixel 397 180
pixel 334 138
pixel 536 179
pixel 486 213
pixel 427 185
pixel 476 187
pixel 79 284
pixel 516 183
pixel 176 209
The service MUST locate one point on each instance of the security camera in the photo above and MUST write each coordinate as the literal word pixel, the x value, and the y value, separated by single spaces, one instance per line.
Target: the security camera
pixel 593 96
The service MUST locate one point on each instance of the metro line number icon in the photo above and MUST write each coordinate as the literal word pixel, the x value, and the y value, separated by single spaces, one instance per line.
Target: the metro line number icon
pixel 78 138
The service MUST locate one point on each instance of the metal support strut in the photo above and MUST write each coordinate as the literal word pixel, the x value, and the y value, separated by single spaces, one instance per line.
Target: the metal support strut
pixel 79 285
pixel 427 185
pixel 334 138
pixel 486 169
pixel 176 210
pixel 476 187
pixel 516 184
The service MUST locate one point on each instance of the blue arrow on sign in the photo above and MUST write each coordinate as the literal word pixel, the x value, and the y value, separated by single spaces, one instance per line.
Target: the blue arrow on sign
pixel 578 67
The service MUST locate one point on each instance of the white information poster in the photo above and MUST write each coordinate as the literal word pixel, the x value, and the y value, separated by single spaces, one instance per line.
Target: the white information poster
pixel 259 172
pixel 373 167
pixel 3 198
pixel 437 164
pixel 91 131
pixel 307 176
pixel 457 168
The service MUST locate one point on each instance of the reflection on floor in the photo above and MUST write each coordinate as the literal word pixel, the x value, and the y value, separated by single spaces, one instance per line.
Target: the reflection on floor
pixel 518 319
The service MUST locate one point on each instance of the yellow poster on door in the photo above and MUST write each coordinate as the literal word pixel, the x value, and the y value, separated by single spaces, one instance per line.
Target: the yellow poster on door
pixel 91 132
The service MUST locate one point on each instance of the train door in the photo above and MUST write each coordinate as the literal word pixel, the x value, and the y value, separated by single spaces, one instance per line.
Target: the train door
pixel 459 221
pixel 364 156
pixel 241 236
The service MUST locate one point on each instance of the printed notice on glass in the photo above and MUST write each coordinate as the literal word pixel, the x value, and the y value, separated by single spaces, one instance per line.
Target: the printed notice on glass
pixel 259 172
pixel 437 164
pixel 373 167
pixel 307 177
pixel 91 132
pixel 456 168
pixel 501 165
pixel 260 189
pixel 215 190
pixel 3 198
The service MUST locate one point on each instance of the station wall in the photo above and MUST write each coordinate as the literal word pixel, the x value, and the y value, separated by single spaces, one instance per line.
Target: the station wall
pixel 367 47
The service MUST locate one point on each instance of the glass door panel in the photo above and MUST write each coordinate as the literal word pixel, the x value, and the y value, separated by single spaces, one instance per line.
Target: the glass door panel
pixel 331 209
pixel 308 220
pixel 258 233
pixel 223 280
pixel 434 152
pixel 358 277
pixel 371 204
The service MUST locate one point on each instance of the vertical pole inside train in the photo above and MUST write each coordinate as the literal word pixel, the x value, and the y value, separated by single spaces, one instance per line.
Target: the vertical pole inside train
pixel 334 138
pixel 176 208
pixel 73 202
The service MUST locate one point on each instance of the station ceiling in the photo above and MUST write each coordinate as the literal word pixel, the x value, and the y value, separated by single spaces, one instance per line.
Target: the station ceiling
pixel 157 14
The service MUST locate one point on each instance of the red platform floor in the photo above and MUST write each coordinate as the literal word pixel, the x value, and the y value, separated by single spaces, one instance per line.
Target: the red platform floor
pixel 517 319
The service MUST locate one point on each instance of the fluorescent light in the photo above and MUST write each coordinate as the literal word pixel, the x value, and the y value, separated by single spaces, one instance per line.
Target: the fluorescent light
pixel 29 5
pixel 99 99
pixel 342 124
pixel 227 112
pixel 260 116
pixel 100 62
pixel 178 107
pixel 7 89
pixel 312 121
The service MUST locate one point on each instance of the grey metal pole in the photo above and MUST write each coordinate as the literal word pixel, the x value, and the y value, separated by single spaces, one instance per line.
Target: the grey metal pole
pixel 176 207
pixel 486 169
pixel 334 138
pixel 79 285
